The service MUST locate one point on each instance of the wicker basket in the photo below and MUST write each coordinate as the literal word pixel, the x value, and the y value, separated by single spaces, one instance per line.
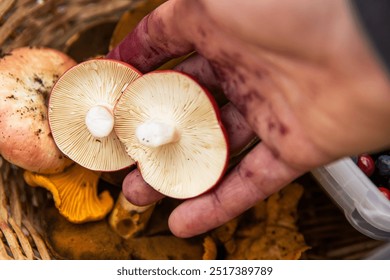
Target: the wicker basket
pixel 59 24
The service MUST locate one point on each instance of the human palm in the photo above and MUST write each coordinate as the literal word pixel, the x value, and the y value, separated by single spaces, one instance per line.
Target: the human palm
pixel 299 76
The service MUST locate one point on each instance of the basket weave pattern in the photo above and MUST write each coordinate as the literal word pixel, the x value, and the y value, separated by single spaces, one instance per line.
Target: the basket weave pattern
pixel 52 22
pixel 49 23
pixel 19 217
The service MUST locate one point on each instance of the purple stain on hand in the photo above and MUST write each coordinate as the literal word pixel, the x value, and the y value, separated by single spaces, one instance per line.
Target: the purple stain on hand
pixel 271 125
pixel 202 32
pixel 148 45
pixel 283 129
pixel 249 174
pixel 135 49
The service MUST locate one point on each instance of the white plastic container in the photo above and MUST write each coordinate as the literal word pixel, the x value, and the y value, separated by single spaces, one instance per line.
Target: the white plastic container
pixel 380 253
pixel 365 207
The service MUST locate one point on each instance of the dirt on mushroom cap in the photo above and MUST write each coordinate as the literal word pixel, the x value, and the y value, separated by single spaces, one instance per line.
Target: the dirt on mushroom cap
pixel 26 78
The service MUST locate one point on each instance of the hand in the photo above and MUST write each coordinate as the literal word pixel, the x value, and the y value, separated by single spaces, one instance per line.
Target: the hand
pixel 299 74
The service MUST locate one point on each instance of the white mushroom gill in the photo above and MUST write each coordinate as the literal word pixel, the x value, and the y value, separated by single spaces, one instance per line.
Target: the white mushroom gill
pixel 155 134
pixel 169 125
pixel 99 121
pixel 81 113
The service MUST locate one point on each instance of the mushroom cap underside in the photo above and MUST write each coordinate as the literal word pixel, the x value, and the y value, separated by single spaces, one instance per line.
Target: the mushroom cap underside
pixel 93 83
pixel 197 155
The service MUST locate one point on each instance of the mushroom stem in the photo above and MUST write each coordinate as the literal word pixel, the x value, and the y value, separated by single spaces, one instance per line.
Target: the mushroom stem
pixel 129 220
pixel 155 134
pixel 99 121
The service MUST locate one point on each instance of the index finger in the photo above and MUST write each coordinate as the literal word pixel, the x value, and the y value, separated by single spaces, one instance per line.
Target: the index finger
pixel 157 38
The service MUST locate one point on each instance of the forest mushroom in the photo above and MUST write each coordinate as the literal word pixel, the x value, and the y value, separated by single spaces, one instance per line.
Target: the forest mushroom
pixel 171 127
pixel 129 220
pixel 81 117
pixel 74 193
pixel 26 78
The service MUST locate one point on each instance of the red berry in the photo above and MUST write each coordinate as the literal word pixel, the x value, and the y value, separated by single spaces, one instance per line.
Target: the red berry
pixel 385 191
pixel 366 164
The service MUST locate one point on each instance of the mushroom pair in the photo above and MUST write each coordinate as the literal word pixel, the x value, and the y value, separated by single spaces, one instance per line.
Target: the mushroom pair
pixel 27 76
pixel 106 116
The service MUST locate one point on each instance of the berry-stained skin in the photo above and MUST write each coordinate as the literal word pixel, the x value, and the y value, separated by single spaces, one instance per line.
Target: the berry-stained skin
pixel 299 74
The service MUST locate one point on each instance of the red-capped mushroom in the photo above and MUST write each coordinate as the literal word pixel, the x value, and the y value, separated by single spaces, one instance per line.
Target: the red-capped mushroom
pixel 171 127
pixel 81 117
pixel 26 78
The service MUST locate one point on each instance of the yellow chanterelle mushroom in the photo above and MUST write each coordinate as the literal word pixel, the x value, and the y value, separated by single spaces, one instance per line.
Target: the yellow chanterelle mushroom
pixel 75 193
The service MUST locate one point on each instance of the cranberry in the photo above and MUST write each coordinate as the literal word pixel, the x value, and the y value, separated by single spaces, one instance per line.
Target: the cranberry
pixel 385 191
pixel 366 164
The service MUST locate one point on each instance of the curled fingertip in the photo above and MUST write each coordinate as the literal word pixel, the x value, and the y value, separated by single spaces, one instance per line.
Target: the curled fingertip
pixel 137 191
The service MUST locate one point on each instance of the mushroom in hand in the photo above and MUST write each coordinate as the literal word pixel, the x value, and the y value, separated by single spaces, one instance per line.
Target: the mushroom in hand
pixel 171 127
pixel 26 78
pixel 81 113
